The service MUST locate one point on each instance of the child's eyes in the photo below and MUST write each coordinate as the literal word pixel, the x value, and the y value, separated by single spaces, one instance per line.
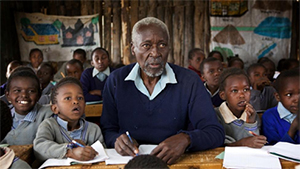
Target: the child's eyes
pixel 234 91
pixel 32 91
pixel 16 90
pixel 67 98
pixel 289 94
pixel 80 98
pixel 246 89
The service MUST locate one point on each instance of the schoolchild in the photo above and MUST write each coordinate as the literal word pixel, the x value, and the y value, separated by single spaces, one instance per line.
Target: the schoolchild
pixel 240 121
pixel 281 123
pixel 211 69
pixel 23 91
pixel 196 56
pixel 93 79
pixel 45 74
pixel 55 135
pixel 10 67
pixel 262 93
pixel 36 58
pixel 74 68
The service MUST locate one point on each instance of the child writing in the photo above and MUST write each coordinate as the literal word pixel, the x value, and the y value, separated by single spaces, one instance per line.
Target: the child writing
pixel 55 134
pixel 236 114
pixel 262 94
pixel 36 58
pixel 74 68
pixel 211 69
pixel 93 79
pixel 23 91
pixel 281 123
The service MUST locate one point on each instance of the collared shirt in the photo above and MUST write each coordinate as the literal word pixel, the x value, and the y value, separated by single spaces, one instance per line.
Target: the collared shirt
pixel 167 77
pixel 96 71
pixel 285 114
pixel 228 115
pixel 18 120
pixel 75 134
pixel 211 95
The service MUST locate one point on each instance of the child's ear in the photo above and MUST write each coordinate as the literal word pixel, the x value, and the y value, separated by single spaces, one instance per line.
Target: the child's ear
pixel 7 96
pixel 92 63
pixel 54 108
pixel 277 96
pixel 222 95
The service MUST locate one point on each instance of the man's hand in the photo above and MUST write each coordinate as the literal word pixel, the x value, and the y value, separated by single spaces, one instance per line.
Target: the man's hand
pixel 172 148
pixel 124 147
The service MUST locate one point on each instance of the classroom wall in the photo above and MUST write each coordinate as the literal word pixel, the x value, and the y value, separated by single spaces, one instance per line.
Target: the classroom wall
pixel 188 22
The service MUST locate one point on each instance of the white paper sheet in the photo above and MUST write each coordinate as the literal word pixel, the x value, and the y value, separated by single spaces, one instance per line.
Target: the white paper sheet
pixel 116 158
pixel 286 151
pixel 245 157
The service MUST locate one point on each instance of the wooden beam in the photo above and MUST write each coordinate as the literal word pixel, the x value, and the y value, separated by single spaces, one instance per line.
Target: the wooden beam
pixel 98 8
pixel 143 9
pixel 178 29
pixel 198 24
pixel 116 55
pixel 126 32
pixel 188 31
pixel 107 25
pixel 169 23
pixel 134 12
pixel 153 7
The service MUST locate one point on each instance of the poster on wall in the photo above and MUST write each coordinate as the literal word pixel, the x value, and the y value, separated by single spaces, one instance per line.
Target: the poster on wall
pixel 251 29
pixel 56 36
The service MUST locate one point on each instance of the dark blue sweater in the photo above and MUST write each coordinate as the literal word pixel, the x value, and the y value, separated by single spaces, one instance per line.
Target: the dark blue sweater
pixel 90 83
pixel 276 129
pixel 125 108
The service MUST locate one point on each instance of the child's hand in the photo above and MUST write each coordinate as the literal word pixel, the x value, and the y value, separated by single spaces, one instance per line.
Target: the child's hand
pixel 95 92
pixel 82 153
pixel 261 83
pixel 253 141
pixel 80 142
pixel 251 113
pixel 294 127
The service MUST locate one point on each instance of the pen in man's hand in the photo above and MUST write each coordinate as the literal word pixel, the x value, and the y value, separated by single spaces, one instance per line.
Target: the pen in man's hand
pixel 78 144
pixel 135 151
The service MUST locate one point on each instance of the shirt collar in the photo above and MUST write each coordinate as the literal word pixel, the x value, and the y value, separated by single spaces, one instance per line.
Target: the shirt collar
pixel 211 95
pixel 167 77
pixel 285 113
pixel 64 123
pixel 106 71
pixel 30 116
pixel 228 115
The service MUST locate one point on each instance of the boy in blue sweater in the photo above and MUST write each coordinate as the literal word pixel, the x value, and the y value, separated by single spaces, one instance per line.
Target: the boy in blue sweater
pixel 281 123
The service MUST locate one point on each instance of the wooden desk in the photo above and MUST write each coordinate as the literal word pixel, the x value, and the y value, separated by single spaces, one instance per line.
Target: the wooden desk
pixel 93 110
pixel 197 160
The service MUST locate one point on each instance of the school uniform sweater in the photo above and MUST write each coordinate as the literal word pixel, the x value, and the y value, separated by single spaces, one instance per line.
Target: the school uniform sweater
pixel 276 128
pixel 261 101
pixel 90 83
pixel 26 131
pixel 125 108
pixel 236 128
pixel 50 143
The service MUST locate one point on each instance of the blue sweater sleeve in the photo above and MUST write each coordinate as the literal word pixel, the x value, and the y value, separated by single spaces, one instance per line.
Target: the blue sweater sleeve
pixel 87 85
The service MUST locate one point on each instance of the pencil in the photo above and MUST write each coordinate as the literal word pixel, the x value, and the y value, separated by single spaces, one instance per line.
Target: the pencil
pixel 62 74
pixel 75 142
pixel 135 151
pixel 251 132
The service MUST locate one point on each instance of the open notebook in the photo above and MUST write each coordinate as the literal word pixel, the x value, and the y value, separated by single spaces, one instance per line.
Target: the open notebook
pixel 286 151
pixel 102 156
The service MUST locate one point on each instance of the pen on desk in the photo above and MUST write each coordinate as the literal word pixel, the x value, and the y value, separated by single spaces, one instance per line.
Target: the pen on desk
pixel 75 142
pixel 251 132
pixel 127 133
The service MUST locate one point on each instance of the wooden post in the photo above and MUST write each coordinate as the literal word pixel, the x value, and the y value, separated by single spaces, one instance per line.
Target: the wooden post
pixel 206 27
pixel 153 6
pixel 134 12
pixel 143 9
pixel 161 10
pixel 84 7
pixel 53 7
pixel 116 55
pixel 169 23
pixel 188 31
pixel 98 8
pixel 178 28
pixel 107 25
pixel 199 24
pixel 126 32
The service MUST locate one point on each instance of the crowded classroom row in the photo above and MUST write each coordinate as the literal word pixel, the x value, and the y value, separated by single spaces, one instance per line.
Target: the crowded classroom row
pixel 156 101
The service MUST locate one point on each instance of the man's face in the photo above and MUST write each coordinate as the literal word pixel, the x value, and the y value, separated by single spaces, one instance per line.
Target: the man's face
pixel 151 49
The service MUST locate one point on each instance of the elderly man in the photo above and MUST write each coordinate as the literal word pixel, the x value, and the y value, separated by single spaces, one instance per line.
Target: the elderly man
pixel 157 102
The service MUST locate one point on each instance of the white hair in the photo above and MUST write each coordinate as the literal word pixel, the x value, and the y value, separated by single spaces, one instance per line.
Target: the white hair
pixel 145 22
